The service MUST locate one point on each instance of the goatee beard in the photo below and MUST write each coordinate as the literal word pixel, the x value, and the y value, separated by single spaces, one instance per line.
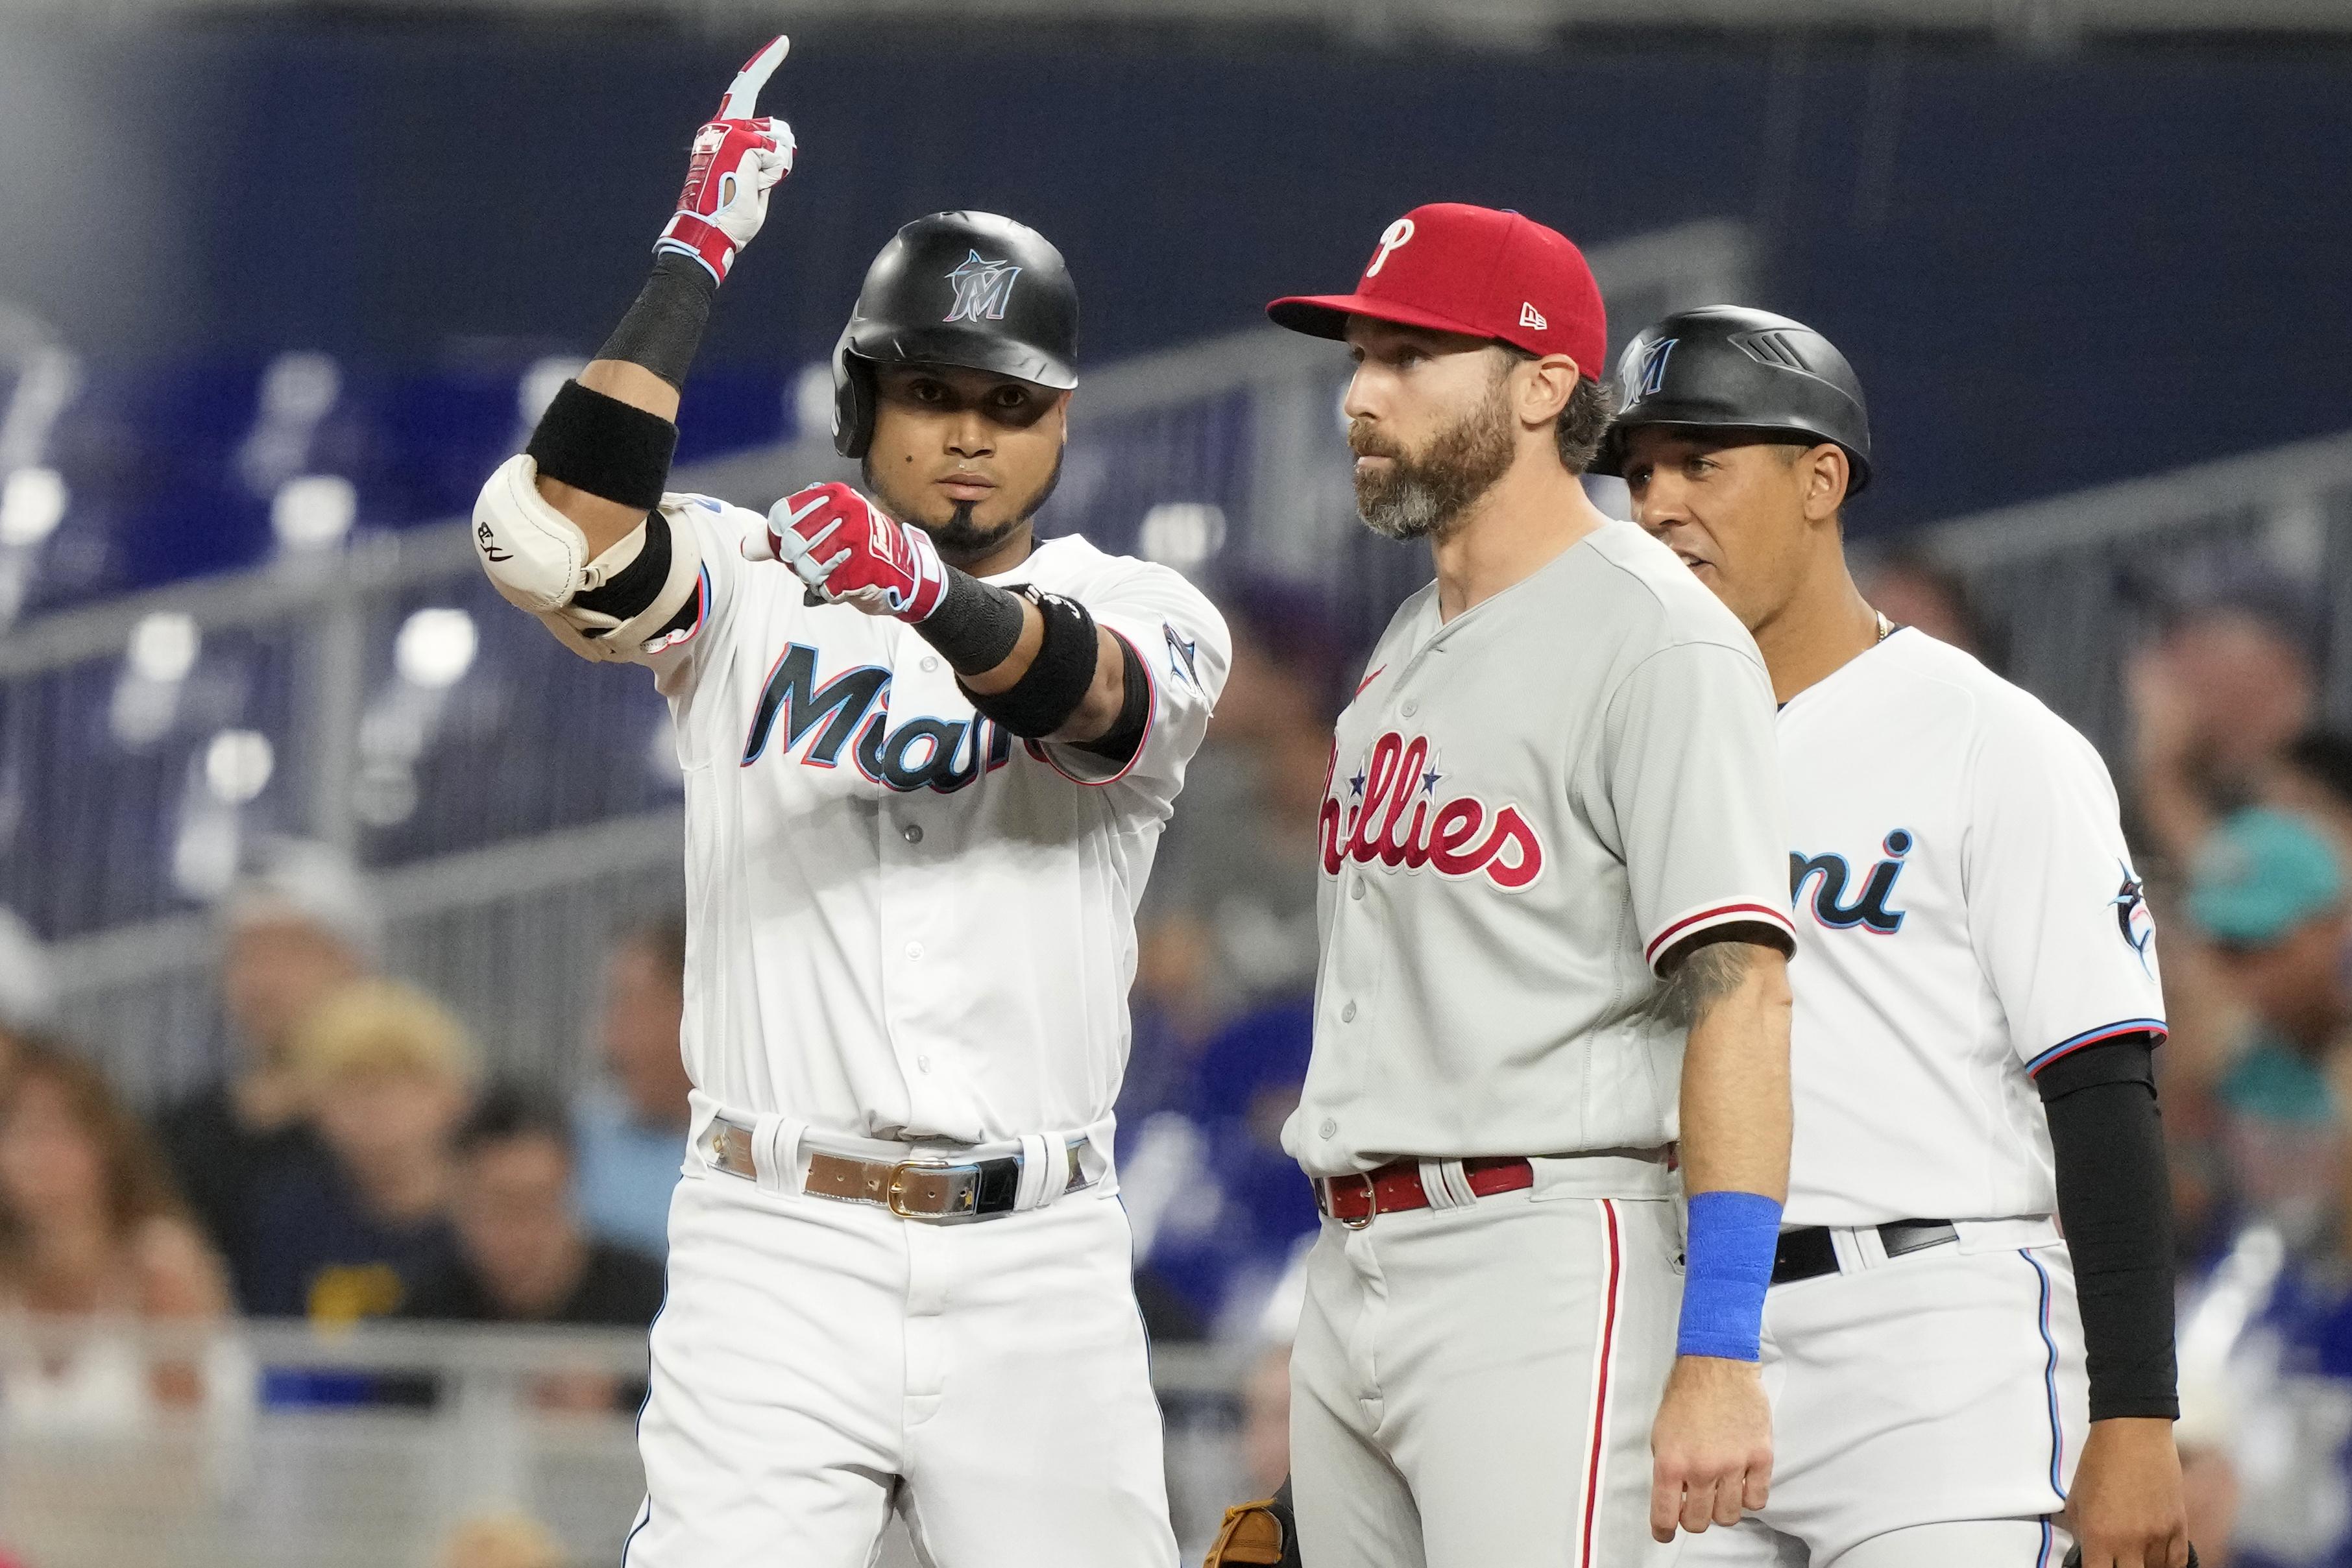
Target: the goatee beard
pixel 962 540
pixel 1424 496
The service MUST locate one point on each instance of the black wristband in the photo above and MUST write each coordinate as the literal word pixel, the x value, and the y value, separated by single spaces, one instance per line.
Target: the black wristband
pixel 1050 690
pixel 664 329
pixel 2115 1204
pixel 603 447
pixel 974 626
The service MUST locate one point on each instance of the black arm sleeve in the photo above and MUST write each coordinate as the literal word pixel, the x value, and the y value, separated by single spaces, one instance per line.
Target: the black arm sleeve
pixel 1117 743
pixel 663 330
pixel 2115 1204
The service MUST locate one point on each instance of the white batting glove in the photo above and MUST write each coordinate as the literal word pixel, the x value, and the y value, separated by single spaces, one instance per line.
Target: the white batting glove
pixel 738 160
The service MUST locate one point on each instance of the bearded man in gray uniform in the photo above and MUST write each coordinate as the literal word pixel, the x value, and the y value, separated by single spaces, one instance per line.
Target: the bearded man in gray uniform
pixel 1552 849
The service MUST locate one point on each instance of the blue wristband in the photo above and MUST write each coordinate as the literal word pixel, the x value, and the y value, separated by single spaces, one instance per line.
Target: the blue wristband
pixel 1728 1268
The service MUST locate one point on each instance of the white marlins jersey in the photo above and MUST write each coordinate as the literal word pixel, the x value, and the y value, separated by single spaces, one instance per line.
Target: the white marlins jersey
pixel 1966 913
pixel 903 922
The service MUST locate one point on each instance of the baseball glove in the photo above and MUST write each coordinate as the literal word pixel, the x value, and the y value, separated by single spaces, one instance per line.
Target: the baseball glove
pixel 1257 1535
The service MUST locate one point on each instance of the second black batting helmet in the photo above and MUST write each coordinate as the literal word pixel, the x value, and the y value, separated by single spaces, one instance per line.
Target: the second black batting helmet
pixel 956 289
pixel 1725 366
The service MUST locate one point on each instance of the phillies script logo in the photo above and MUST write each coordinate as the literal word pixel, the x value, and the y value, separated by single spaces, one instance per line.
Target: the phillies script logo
pixel 1392 814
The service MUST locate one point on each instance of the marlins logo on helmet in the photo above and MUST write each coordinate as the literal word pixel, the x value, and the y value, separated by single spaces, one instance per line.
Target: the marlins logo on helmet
pixel 982 290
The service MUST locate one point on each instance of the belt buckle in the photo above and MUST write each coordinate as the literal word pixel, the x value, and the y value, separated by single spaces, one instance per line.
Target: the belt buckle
pixel 1371 1200
pixel 894 1196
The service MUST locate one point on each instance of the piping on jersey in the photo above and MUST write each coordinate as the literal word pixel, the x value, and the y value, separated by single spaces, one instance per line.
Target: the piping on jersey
pixel 2050 1377
pixel 2154 1028
pixel 1596 1443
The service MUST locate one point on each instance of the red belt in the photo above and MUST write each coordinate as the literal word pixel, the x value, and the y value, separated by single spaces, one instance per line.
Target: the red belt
pixel 1353 1200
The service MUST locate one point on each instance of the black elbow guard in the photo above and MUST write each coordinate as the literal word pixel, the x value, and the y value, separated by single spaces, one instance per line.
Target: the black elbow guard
pixel 1056 681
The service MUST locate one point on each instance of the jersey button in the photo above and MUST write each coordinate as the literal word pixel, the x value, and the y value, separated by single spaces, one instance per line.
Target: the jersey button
pixel 1329 1127
pixel 1348 1013
pixel 922 1065
pixel 914 950
pixel 930 663
pixel 1411 707
pixel 912 833
pixel 1356 888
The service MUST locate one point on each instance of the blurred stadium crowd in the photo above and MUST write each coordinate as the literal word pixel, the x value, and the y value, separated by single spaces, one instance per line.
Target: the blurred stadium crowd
pixel 336 1136
pixel 351 1161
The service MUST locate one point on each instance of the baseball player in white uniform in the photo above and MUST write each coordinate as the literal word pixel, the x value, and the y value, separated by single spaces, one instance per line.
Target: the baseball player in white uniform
pixel 1976 1002
pixel 927 759
pixel 1551 847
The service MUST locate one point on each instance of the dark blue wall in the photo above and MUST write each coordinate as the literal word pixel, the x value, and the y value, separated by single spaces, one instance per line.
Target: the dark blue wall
pixel 2049 271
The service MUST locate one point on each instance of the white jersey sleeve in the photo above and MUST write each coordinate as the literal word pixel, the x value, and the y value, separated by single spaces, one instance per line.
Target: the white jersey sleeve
pixel 716 531
pixel 1693 787
pixel 2056 912
pixel 1184 649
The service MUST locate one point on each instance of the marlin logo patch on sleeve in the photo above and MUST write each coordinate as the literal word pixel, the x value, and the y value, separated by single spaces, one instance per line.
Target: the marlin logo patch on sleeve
pixel 1183 653
pixel 983 289
pixel 2132 918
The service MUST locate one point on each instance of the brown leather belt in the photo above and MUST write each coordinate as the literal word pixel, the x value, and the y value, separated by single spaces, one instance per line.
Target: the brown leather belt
pixel 943 1192
pixel 1355 1201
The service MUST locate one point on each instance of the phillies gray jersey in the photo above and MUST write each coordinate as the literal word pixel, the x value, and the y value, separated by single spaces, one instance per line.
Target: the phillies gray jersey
pixel 1529 807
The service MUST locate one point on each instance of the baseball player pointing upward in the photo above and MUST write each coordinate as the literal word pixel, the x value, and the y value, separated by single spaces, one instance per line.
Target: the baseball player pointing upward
pixel 1552 848
pixel 1975 1002
pixel 927 762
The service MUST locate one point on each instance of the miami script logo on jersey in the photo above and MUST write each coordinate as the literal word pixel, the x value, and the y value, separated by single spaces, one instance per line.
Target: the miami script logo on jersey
pixel 1869 909
pixel 983 289
pixel 2132 917
pixel 1389 810
pixel 852 712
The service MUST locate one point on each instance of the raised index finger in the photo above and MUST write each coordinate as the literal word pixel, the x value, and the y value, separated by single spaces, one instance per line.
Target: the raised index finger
pixel 743 93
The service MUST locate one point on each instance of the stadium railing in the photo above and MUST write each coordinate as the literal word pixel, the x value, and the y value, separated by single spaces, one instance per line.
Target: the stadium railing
pixel 364 1446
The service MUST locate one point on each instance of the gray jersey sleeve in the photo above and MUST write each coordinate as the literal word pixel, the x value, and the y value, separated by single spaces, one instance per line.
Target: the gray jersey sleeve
pixel 1693 786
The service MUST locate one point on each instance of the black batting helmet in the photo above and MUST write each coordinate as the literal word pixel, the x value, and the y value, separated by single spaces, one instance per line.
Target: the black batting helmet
pixel 956 289
pixel 1725 366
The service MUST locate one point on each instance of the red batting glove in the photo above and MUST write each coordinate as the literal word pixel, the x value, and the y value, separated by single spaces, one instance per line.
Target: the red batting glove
pixel 845 550
pixel 738 160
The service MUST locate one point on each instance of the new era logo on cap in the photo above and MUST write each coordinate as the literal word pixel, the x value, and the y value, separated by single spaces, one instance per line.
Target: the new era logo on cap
pixel 1477 271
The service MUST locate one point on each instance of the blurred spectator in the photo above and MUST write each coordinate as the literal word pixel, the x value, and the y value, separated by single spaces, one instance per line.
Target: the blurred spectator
pixel 522 1257
pixel 502 1541
pixel 28 987
pixel 289 938
pixel 2215 702
pixel 2313 779
pixel 1911 589
pixel 1228 922
pixel 2267 891
pixel 1217 1206
pixel 632 1127
pixel 351 1229
pixel 91 1229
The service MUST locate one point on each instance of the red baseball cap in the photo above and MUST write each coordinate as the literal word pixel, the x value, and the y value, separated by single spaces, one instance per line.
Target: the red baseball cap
pixel 1478 271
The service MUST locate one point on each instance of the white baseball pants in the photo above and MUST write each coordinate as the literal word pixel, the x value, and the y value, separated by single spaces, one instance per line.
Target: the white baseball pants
pixel 1474 1386
pixel 819 1365
pixel 1927 1409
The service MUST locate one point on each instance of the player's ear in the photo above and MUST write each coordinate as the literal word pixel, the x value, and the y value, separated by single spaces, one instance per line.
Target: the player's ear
pixel 1548 388
pixel 1827 472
